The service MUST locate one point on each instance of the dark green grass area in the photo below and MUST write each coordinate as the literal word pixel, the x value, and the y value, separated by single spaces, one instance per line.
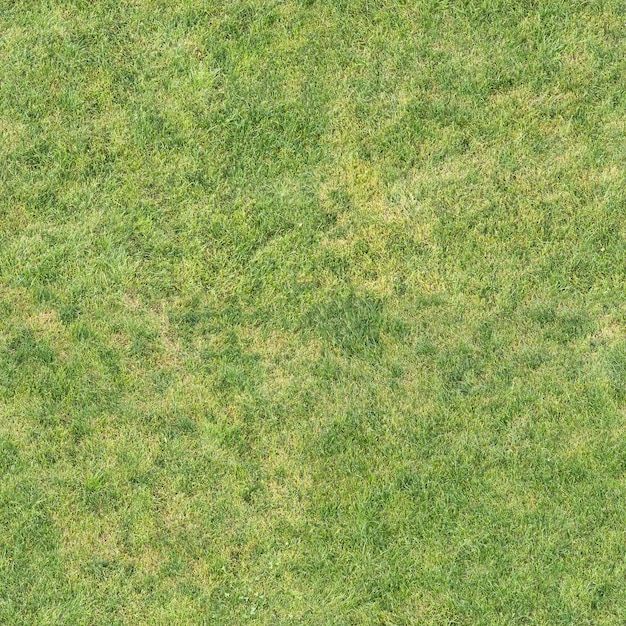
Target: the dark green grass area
pixel 313 312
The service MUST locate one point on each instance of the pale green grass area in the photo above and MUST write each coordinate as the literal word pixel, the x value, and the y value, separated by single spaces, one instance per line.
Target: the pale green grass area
pixel 313 312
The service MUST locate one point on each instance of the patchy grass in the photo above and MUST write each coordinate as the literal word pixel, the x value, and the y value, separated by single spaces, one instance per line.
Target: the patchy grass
pixel 312 312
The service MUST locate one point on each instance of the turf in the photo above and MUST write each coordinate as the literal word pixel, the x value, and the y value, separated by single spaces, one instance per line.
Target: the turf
pixel 313 312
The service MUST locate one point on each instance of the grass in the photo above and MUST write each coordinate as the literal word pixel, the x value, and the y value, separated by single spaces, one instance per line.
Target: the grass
pixel 312 312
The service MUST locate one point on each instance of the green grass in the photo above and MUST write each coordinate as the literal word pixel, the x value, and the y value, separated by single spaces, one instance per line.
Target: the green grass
pixel 313 312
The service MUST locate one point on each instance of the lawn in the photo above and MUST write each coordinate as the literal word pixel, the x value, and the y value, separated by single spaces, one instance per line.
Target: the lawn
pixel 313 312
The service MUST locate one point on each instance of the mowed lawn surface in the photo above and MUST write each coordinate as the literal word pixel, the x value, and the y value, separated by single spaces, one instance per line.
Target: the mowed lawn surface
pixel 313 312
